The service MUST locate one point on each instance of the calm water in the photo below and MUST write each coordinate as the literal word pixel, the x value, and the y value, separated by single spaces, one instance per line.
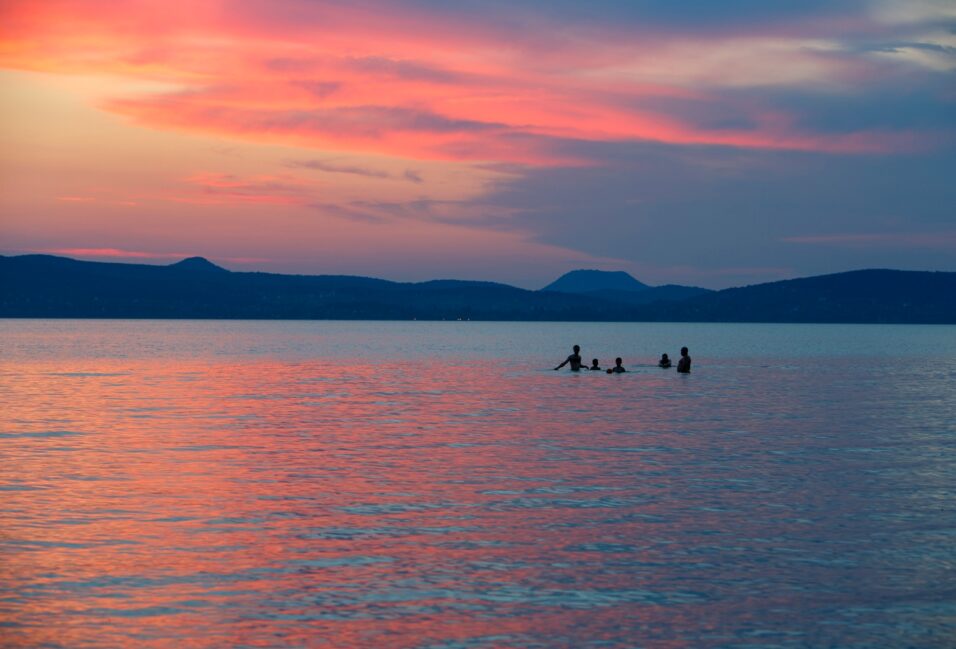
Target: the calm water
pixel 436 485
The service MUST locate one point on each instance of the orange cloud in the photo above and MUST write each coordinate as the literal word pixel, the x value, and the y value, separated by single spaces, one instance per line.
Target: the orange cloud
pixel 348 78
pixel 112 253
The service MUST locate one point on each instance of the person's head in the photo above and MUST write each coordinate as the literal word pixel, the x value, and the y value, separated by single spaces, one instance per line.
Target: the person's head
pixel 577 349
pixel 618 361
pixel 594 362
pixel 664 357
pixel 683 351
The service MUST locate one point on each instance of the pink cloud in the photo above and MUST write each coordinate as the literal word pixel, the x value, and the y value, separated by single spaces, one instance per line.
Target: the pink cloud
pixel 340 77
pixel 216 188
pixel 113 253
pixel 93 199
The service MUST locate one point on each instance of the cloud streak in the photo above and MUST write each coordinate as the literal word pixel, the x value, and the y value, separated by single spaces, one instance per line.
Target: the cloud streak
pixel 344 79
pixel 215 188
pixel 938 240
pixel 331 167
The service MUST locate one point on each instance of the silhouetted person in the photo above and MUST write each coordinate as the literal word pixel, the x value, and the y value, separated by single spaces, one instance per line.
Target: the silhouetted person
pixel 595 365
pixel 574 359
pixel 618 368
pixel 683 365
pixel 665 362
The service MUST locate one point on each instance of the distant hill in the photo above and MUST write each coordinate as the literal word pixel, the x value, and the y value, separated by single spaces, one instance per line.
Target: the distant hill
pixel 861 296
pixel 586 281
pixel 43 286
pixel 198 264
pixel 619 286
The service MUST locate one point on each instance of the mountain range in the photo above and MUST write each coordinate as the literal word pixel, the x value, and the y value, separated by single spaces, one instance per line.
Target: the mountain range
pixel 44 286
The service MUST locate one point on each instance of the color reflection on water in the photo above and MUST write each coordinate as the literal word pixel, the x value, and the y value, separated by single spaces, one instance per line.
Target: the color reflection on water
pixel 419 504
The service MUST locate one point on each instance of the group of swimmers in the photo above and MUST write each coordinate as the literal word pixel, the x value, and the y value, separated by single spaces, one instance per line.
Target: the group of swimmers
pixel 683 365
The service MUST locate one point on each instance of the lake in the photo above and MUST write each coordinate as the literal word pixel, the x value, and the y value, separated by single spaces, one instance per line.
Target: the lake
pixel 436 485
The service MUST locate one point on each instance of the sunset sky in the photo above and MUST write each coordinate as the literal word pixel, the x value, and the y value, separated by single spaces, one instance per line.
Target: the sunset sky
pixel 706 143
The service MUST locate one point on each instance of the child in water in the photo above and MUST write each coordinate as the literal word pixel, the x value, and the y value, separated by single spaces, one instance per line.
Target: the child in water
pixel 665 362
pixel 595 365
pixel 618 368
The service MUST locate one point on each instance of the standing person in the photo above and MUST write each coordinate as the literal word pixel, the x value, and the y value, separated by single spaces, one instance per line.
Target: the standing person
pixel 595 365
pixel 665 362
pixel 618 368
pixel 574 359
pixel 683 365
